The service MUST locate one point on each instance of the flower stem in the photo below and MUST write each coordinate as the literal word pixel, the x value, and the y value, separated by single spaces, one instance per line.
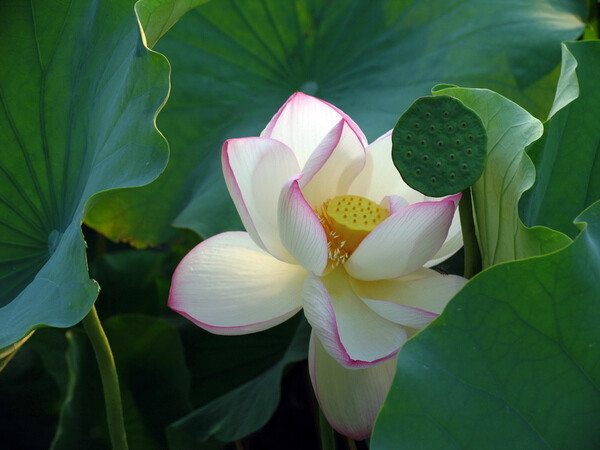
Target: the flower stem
pixel 110 381
pixel 326 432
pixel 351 443
pixel 472 253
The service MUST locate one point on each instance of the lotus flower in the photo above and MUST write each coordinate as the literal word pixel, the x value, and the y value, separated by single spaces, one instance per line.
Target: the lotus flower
pixel 331 228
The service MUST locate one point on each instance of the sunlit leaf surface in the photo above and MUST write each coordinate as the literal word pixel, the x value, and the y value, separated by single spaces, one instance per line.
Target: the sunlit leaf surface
pixel 78 96
pixel 567 158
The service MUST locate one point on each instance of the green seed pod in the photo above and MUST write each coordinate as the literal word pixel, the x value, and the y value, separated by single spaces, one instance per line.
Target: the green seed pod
pixel 439 146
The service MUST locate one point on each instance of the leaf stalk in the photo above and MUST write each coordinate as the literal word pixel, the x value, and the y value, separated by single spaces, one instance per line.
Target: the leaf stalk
pixel 110 380
pixel 467 224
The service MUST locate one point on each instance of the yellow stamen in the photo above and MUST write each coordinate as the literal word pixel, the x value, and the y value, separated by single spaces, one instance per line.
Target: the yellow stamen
pixel 347 220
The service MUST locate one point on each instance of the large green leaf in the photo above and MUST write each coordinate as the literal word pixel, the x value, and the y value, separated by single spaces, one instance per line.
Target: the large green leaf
pixel 234 63
pixel 512 362
pixel 158 16
pixel 508 173
pixel 244 409
pixel 78 96
pixel 567 158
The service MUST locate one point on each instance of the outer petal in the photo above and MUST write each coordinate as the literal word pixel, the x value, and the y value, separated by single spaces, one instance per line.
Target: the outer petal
pixel 229 285
pixel 255 170
pixel 414 300
pixel 350 399
pixel 302 123
pixel 350 332
pixel 337 173
pixel 404 241
pixel 451 245
pixel 300 229
pixel 380 177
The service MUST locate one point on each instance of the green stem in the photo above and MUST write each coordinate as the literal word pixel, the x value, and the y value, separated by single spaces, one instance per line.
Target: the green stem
pixel 351 443
pixel 327 436
pixel 110 381
pixel 472 254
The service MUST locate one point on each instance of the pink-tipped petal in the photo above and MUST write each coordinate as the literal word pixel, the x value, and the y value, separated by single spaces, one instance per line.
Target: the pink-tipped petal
pixel 322 153
pixel 302 123
pixel 335 176
pixel 300 229
pixel 380 178
pixel 351 333
pixel 414 300
pixel 255 170
pixel 452 244
pixel 351 123
pixel 404 241
pixel 229 285
pixel 393 203
pixel 349 398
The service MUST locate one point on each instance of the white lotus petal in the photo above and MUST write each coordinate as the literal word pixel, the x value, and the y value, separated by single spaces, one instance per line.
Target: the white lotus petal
pixel 404 241
pixel 351 332
pixel 300 229
pixel 229 285
pixel 349 398
pixel 255 170
pixel 302 123
pixel 414 300
pixel 335 176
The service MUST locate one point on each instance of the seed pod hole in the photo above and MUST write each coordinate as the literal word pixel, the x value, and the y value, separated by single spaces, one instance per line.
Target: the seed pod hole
pixel 408 154
pixel 425 157
pixel 440 143
pixel 451 155
pixel 433 180
pixel 457 142
pixel 432 127
pixel 450 128
pixel 446 113
pixel 470 137
pixel 418 171
pixel 417 126
pixel 469 151
pixel 408 137
pixel 438 164
pixel 464 166
pixel 423 142
pixel 464 124
pixel 428 115
pixel 452 176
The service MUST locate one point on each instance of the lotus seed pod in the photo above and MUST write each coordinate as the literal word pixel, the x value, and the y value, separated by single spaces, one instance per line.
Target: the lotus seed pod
pixel 439 146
